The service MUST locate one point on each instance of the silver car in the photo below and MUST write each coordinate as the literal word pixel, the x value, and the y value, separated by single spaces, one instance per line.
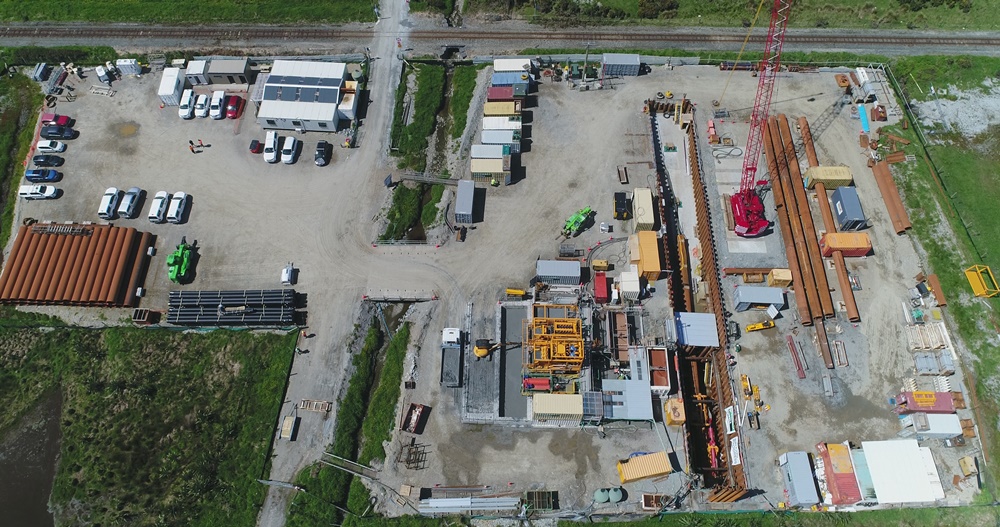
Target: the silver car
pixel 158 207
pixel 109 200
pixel 127 207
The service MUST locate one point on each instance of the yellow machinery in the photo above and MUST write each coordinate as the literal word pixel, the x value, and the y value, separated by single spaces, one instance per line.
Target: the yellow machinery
pixel 516 292
pixel 767 324
pixel 982 281
pixel 553 345
pixel 599 265
pixel 485 347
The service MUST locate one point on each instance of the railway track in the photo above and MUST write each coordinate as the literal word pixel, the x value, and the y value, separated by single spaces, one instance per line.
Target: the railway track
pixel 86 32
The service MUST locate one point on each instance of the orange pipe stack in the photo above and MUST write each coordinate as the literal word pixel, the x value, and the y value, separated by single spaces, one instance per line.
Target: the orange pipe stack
pixel 890 195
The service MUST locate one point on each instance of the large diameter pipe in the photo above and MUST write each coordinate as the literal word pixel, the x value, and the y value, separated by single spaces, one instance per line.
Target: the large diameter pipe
pixel 795 219
pixel 845 287
pixel 45 268
pixel 824 345
pixel 138 266
pixel 801 303
pixel 13 261
pixel 78 271
pixel 812 240
pixel 807 140
pixel 24 266
pixel 107 265
pixel 128 249
pixel 58 287
pixel 879 172
pixel 824 208
pixel 56 269
pixel 34 266
pixel 86 280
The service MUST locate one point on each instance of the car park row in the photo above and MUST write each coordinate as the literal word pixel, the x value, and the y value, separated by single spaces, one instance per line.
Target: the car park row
pixel 219 106
pixel 163 208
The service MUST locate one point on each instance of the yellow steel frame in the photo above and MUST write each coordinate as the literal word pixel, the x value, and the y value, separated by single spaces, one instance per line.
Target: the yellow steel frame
pixel 981 279
pixel 552 345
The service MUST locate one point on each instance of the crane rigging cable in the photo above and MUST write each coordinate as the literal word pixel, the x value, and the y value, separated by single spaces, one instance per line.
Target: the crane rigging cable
pixel 753 24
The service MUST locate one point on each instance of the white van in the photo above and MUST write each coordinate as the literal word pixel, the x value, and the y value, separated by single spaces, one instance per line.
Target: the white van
pixel 271 147
pixel 37 191
pixel 178 202
pixel 186 109
pixel 217 108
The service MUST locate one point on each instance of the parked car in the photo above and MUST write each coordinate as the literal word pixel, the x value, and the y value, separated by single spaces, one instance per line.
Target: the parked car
pixel 178 204
pixel 37 192
pixel 129 202
pixel 186 108
pixel 47 146
pixel 158 207
pixel 271 147
pixel 256 146
pixel 216 108
pixel 47 160
pixel 55 119
pixel 201 106
pixel 57 132
pixel 233 106
pixel 42 175
pixel 106 210
pixel 322 153
pixel 288 150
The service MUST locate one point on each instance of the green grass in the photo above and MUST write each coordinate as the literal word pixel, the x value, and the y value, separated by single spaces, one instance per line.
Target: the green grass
pixel 463 85
pixel 189 11
pixel 380 420
pixel 943 517
pixel 443 7
pixel 20 101
pixel 918 74
pixel 326 487
pixel 404 213
pixel 429 213
pixel 80 55
pixel 144 441
pixel 427 101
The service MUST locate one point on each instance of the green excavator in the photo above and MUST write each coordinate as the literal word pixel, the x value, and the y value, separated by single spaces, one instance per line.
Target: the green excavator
pixel 576 221
pixel 179 262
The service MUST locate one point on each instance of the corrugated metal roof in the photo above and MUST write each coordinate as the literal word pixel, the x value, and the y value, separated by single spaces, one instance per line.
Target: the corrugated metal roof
pixel 501 123
pixel 566 268
pixel 314 111
pixel 196 67
pixel 628 400
pixel 465 196
pixel 798 478
pixel 899 474
pixel 628 59
pixel 487 166
pixel 308 69
pixel 226 66
pixel 696 329
pixel 507 78
pixel 513 64
pixel 862 474
pixel 501 108
pixel 557 404
pixel 644 466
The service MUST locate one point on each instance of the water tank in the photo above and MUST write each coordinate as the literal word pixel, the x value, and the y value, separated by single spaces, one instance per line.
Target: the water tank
pixel 358 76
pixel 601 496
pixel 615 495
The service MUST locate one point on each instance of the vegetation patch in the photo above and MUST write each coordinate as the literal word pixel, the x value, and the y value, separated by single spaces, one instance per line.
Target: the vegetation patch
pixel 443 7
pixel 404 213
pixel 158 427
pixel 942 517
pixel 189 11
pixel 463 85
pixel 429 213
pixel 380 420
pixel 411 140
pixel 20 100
pixel 918 74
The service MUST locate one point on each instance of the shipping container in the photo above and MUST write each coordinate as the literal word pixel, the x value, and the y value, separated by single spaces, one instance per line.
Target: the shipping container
pixel 644 209
pixel 512 64
pixel 510 78
pixel 500 93
pixel 644 466
pixel 171 86
pixel 830 176
pixel 838 468
pixel 621 64
pixel 623 206
pixel 847 207
pixel 797 475
pixel 464 201
pixel 509 138
pixel 779 278
pixel 601 295
pixel 487 167
pixel 502 109
pixel 128 66
pixel 629 286
pixel 558 271
pixel 490 151
pixel 850 243
pixel 645 253
pixel 754 297
pixel 557 408
pixel 502 123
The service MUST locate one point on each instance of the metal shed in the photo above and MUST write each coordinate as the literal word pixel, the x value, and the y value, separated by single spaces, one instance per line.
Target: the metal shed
pixel 558 271
pixel 196 72
pixel 229 71
pixel 464 201
pixel 696 329
pixel 797 474
pixel 621 64
pixel 747 297
pixel 902 472
pixel 847 207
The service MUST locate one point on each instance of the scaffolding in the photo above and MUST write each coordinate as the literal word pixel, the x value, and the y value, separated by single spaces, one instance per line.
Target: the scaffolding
pixel 552 345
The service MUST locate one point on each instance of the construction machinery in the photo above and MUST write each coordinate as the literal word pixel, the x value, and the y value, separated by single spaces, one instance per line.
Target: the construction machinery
pixel 179 262
pixel 747 205
pixel 575 222
pixel 760 326
pixel 485 347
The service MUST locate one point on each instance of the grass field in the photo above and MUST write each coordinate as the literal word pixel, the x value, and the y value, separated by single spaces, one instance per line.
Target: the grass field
pixel 19 103
pixel 158 427
pixel 411 139
pixel 189 11
pixel 463 86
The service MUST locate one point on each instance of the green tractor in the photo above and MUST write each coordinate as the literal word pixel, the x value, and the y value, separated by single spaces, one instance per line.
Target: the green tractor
pixel 575 222
pixel 179 262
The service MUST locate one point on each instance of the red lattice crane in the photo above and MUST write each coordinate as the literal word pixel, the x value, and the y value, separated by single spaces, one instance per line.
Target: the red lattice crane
pixel 748 208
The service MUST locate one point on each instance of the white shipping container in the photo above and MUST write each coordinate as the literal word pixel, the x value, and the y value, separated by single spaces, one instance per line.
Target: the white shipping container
pixel 629 285
pixel 512 64
pixel 171 86
pixel 128 66
pixel 501 123
pixel 487 151
pixel 348 106
pixel 643 209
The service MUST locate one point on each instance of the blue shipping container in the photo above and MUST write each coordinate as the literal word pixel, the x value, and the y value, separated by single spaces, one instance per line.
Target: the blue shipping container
pixel 847 207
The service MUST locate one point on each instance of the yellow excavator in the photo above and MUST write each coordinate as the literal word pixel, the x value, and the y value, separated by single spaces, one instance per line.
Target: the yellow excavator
pixel 760 326
pixel 485 347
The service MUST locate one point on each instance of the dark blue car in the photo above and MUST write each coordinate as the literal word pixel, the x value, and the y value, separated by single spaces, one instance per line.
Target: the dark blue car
pixel 46 160
pixel 42 175
pixel 57 132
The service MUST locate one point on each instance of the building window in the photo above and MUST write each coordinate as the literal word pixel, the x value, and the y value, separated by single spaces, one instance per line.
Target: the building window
pixel 296 123
pixel 322 124
pixel 271 122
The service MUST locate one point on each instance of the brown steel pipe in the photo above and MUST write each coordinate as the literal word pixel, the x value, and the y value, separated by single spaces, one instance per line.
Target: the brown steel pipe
pixel 13 262
pixel 56 269
pixel 58 287
pixel 124 260
pixel 34 267
pixel 824 345
pixel 82 265
pixel 801 302
pixel 808 226
pixel 890 196
pixel 138 268
pixel 106 268
pixel 845 287
pixel 45 267
pixel 24 266
pixel 86 279
pixel 726 271
pixel 807 140
pixel 824 208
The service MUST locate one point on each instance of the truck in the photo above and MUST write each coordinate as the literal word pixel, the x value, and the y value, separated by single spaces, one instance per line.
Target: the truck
pixel 451 357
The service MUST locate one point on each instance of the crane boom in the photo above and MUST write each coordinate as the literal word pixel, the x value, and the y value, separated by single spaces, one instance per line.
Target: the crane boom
pixel 748 208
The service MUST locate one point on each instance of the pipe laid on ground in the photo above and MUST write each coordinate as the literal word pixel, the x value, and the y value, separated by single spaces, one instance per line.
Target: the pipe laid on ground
pixel 45 268
pixel 807 140
pixel 845 287
pixel 824 344
pixel 13 262
pixel 801 302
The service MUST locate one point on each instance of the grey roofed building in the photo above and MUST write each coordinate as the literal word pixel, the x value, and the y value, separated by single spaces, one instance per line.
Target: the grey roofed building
pixel 696 329
pixel 229 71
pixel 630 399
pixel 558 271
pixel 747 296
pixel 464 201
pixel 302 95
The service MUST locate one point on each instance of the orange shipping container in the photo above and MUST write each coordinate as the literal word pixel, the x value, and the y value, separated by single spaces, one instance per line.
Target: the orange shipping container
pixel 850 243
pixel 644 466
pixel 649 256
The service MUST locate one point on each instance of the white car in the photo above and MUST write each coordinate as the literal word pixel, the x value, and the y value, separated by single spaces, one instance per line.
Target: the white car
pixel 186 108
pixel 37 191
pixel 217 108
pixel 288 150
pixel 129 201
pixel 106 210
pixel 50 147
pixel 158 207
pixel 271 147
pixel 178 203
pixel 201 106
